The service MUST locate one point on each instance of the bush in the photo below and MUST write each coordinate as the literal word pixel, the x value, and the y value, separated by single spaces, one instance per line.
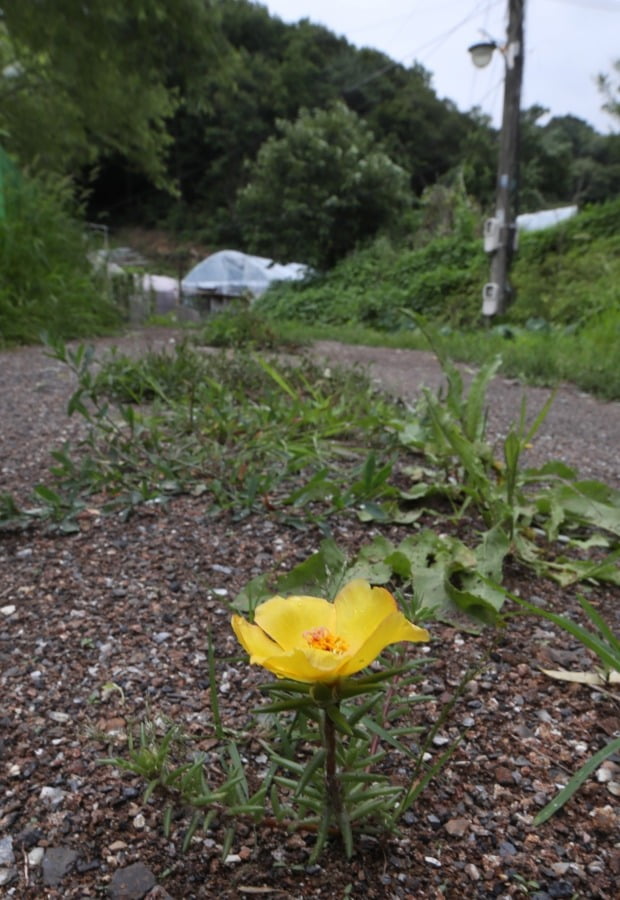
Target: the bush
pixel 237 327
pixel 46 281
pixel 320 189
pixel 442 280
pixel 570 273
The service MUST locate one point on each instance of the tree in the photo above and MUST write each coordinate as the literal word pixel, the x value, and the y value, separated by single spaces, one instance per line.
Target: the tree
pixel 421 132
pixel 609 86
pixel 82 79
pixel 272 71
pixel 565 161
pixel 320 188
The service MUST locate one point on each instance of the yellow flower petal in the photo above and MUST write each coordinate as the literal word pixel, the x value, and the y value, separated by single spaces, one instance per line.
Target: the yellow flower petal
pixel 360 609
pixel 308 666
pixel 392 630
pixel 286 618
pixel 253 640
pixel 309 639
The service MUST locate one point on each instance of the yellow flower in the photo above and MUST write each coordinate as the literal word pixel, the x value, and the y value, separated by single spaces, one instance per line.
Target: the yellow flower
pixel 312 640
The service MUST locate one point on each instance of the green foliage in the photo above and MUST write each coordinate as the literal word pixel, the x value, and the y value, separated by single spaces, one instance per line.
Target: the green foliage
pixel 609 85
pixel 46 281
pixel 358 721
pixel 161 762
pixel 319 189
pixel 542 354
pixel 569 274
pixel 96 79
pixel 160 94
pixel 301 443
pixel 515 503
pixel 241 326
pixel 439 576
pixel 238 430
pixel 304 443
pixel 267 71
pixel 565 161
pixel 564 325
pixel 372 287
pixel 517 506
pixel 446 210
pixel 565 275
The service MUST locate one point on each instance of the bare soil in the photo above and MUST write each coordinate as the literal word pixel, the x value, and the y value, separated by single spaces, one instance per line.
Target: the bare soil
pixel 107 627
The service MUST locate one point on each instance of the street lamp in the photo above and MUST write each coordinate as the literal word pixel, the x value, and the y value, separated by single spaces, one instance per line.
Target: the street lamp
pixel 500 232
pixel 481 53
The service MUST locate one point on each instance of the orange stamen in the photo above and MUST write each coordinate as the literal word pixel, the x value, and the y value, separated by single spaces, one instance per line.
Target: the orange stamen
pixel 323 639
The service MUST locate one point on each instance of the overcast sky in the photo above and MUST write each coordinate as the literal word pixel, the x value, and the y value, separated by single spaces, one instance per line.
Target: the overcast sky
pixel 567 44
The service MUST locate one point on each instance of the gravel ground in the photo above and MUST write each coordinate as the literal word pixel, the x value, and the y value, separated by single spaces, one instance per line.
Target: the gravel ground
pixel 130 604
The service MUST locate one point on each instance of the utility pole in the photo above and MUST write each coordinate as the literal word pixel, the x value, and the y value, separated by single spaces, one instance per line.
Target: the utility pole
pixel 501 232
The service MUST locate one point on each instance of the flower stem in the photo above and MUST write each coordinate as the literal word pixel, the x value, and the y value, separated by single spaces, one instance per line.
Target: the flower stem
pixel 333 788
pixel 334 801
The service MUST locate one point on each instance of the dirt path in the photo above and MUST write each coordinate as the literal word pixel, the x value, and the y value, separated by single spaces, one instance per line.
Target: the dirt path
pixel 579 430
pixel 34 389
pixel 112 626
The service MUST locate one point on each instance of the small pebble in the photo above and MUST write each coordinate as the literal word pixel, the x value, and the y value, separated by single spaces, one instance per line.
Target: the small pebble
pixel 35 857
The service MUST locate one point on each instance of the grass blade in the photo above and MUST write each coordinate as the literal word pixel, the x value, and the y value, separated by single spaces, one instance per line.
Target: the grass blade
pixel 576 781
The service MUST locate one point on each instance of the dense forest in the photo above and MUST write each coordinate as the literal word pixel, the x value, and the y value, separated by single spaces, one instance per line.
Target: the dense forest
pixel 222 126
pixel 243 116
pixel 206 117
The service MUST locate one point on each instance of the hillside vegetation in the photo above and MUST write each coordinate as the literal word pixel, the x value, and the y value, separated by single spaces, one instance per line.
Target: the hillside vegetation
pixel 564 325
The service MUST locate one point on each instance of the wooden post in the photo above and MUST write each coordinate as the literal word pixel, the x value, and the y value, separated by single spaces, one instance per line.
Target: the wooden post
pixel 498 293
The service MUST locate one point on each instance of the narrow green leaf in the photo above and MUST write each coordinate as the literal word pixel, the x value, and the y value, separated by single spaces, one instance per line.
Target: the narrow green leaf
pixel 346 833
pixel 314 763
pixel 167 821
pixel 339 720
pixel 321 836
pixel 276 806
pixel 277 377
pixel 577 780
pixel 228 841
pixel 605 630
pixel 589 640
pixel 48 495
pixel 387 736
pixel 540 418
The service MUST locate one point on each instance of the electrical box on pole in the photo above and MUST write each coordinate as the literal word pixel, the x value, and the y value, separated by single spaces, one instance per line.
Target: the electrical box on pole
pixel 490 298
pixel 492 235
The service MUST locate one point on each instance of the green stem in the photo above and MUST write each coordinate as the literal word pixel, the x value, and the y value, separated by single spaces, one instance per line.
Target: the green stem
pixel 333 788
pixel 334 800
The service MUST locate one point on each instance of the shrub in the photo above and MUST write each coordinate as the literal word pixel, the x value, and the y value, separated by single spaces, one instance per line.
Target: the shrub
pixel 320 189
pixel 46 281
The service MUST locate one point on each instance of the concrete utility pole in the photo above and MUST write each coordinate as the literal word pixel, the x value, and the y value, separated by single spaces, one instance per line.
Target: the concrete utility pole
pixel 501 231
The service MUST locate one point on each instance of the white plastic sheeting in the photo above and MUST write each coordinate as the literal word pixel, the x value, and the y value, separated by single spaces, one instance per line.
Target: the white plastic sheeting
pixel 230 273
pixel 546 218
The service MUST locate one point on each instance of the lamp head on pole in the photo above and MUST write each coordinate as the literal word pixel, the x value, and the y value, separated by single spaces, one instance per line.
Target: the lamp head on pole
pixel 482 52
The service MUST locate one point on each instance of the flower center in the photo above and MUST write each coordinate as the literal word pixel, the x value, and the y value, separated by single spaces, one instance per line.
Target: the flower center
pixel 322 639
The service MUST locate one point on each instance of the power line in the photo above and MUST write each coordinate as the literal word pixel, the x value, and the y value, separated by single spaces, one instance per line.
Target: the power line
pixel 442 38
pixel 435 43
